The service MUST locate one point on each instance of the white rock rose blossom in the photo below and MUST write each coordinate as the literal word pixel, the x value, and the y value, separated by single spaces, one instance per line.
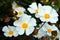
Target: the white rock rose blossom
pixel 14 5
pixel 25 24
pixel 10 31
pixel 49 28
pixel 20 10
pixel 48 14
pixel 35 9
pixel 40 33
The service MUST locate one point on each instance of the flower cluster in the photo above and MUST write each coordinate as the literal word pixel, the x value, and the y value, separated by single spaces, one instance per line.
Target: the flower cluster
pixel 27 24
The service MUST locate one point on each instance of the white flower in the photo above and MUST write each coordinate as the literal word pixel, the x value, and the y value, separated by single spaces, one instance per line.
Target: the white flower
pixel 10 31
pixel 20 10
pixel 14 5
pixel 25 24
pixel 48 14
pixel 33 8
pixel 48 28
pixel 41 32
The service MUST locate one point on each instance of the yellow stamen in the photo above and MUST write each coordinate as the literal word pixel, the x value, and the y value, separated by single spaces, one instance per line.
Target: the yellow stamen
pixel 24 25
pixel 36 10
pixel 20 12
pixel 46 16
pixel 49 30
pixel 47 0
pixel 10 32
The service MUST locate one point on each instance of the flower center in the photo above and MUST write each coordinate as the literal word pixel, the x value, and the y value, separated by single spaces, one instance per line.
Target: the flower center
pixel 47 0
pixel 24 25
pixel 10 32
pixel 46 16
pixel 20 12
pixel 36 10
pixel 49 30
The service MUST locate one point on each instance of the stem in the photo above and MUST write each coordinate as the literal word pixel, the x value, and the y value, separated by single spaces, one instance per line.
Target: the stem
pixel 42 25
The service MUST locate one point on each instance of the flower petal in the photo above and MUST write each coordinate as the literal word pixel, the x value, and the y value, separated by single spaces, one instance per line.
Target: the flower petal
pixel 11 28
pixel 54 28
pixel 41 33
pixel 49 34
pixel 24 18
pixel 20 30
pixel 53 20
pixel 5 29
pixel 14 5
pixel 17 23
pixel 32 22
pixel 31 10
pixel 39 6
pixel 5 34
pixel 33 5
pixel 20 9
pixel 29 30
pixel 54 13
pixel 46 8
pixel 15 33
